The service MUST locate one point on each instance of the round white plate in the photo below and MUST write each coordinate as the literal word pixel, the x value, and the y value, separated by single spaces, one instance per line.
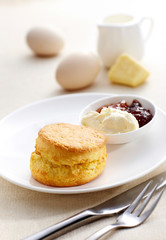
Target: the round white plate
pixel 125 162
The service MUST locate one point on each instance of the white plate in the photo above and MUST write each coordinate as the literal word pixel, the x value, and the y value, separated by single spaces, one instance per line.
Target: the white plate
pixel 125 162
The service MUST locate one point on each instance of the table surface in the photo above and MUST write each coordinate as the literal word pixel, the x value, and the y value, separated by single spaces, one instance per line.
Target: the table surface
pixel 26 78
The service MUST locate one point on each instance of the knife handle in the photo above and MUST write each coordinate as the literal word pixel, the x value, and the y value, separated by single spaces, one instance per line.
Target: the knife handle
pixel 65 226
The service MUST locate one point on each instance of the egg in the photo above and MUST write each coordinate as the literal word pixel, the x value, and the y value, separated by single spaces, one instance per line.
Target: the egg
pixel 45 41
pixel 77 70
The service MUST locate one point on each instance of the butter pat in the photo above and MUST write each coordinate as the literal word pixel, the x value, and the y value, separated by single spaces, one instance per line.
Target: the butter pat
pixel 127 71
pixel 111 121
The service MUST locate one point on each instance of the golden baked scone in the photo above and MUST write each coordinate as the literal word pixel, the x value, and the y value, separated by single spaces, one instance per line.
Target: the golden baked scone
pixel 68 155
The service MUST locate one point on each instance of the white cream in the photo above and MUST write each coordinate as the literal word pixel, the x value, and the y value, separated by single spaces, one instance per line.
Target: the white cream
pixel 111 121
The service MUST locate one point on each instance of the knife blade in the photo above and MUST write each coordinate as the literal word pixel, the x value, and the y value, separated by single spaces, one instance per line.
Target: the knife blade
pixel 109 207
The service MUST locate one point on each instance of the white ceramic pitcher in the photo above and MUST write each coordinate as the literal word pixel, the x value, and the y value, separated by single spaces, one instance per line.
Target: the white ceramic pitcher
pixel 119 34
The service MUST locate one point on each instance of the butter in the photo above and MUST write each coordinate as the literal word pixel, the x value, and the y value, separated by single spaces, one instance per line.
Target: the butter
pixel 110 121
pixel 127 71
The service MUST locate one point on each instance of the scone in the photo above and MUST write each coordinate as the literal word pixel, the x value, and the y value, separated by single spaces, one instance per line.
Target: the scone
pixel 68 155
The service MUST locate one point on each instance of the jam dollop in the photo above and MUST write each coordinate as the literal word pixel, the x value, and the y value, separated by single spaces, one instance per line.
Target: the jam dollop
pixel 142 114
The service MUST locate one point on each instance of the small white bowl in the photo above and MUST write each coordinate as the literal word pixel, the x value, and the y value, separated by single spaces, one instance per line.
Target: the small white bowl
pixel 129 136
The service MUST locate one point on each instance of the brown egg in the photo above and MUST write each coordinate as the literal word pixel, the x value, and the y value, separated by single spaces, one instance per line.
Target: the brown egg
pixel 77 70
pixel 44 41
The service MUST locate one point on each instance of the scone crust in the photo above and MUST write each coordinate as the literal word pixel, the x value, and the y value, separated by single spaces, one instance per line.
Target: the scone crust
pixel 73 138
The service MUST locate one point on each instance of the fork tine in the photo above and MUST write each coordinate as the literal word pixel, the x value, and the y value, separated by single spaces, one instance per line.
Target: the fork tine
pixel 148 212
pixel 147 199
pixel 138 199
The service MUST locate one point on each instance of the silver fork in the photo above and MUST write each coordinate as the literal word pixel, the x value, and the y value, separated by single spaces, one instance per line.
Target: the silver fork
pixel 132 217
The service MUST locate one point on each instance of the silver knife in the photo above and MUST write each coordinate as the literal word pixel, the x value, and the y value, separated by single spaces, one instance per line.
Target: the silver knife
pixel 107 208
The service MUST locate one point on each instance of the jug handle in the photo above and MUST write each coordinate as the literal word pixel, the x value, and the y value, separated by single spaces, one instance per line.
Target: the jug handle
pixel 146 36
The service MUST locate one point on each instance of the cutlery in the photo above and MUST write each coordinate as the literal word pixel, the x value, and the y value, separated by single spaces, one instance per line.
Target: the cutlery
pixel 132 216
pixel 107 208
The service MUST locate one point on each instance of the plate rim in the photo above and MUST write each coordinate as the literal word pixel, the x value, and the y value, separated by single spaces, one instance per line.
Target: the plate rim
pixel 74 191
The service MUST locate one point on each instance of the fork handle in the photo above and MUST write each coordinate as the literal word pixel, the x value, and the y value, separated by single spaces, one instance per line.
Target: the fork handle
pixel 63 227
pixel 97 235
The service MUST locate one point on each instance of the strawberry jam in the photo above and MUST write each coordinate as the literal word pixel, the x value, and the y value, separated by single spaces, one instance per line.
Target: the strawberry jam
pixel 142 114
